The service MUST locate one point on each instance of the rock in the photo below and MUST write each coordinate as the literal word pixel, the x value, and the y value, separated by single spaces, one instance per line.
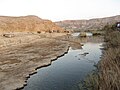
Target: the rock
pixel 82 44
pixel 85 25
pixel 84 54
pixel 82 34
pixel 8 35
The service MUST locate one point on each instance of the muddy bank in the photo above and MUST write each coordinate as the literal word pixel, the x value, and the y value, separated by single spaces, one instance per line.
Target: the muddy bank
pixel 20 56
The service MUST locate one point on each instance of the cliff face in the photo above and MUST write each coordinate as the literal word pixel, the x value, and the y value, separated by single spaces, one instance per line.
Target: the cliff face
pixel 27 24
pixel 92 24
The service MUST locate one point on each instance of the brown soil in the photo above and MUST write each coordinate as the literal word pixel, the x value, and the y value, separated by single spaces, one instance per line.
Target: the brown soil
pixel 21 55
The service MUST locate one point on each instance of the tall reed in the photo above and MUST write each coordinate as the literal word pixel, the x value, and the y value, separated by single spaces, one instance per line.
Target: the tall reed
pixel 107 74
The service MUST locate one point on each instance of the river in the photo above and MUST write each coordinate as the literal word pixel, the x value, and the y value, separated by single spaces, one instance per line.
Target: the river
pixel 67 71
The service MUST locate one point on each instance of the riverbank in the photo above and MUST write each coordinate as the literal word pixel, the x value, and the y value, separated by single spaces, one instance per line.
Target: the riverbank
pixel 110 62
pixel 107 73
pixel 21 55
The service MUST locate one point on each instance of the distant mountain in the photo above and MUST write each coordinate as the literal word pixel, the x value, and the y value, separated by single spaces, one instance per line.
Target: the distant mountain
pixel 27 24
pixel 92 24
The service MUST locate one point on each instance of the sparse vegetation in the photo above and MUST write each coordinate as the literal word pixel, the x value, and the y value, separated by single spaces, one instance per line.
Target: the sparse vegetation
pixel 29 23
pixel 110 63
pixel 107 74
pixel 97 32
pixel 82 34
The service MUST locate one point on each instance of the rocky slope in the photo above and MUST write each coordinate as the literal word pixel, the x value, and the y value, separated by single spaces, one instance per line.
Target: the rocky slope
pixel 27 24
pixel 92 24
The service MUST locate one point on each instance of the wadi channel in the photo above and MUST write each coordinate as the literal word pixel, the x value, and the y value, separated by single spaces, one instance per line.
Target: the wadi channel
pixel 28 44
pixel 67 71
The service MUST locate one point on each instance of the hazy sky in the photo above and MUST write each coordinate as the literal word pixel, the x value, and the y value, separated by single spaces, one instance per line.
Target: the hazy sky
pixel 56 10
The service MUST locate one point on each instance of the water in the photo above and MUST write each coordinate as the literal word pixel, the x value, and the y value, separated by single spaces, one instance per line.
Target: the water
pixel 78 33
pixel 66 72
pixel 89 34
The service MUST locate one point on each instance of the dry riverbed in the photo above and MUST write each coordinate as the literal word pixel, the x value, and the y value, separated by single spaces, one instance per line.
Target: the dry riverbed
pixel 22 54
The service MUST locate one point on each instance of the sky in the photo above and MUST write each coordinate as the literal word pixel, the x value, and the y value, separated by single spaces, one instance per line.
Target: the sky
pixel 57 10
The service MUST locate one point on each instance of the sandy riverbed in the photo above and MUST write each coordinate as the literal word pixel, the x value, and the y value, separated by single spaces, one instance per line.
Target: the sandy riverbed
pixel 22 54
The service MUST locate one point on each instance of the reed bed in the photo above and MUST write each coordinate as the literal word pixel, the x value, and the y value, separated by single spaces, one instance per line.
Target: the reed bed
pixel 107 73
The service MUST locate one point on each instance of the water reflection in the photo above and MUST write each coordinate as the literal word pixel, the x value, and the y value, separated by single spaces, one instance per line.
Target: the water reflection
pixel 94 39
pixel 66 72
pixel 78 33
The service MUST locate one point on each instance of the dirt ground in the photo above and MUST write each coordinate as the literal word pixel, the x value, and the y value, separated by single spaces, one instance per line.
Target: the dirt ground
pixel 26 43
pixel 22 54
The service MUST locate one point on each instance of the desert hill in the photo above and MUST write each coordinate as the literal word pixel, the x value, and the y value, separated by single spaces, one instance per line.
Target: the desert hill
pixel 27 24
pixel 92 24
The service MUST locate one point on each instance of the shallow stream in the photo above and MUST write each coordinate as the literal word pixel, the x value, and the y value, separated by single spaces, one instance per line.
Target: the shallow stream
pixel 67 71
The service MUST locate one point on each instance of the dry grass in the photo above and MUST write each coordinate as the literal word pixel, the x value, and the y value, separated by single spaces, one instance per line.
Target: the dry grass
pixel 107 74
pixel 110 63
